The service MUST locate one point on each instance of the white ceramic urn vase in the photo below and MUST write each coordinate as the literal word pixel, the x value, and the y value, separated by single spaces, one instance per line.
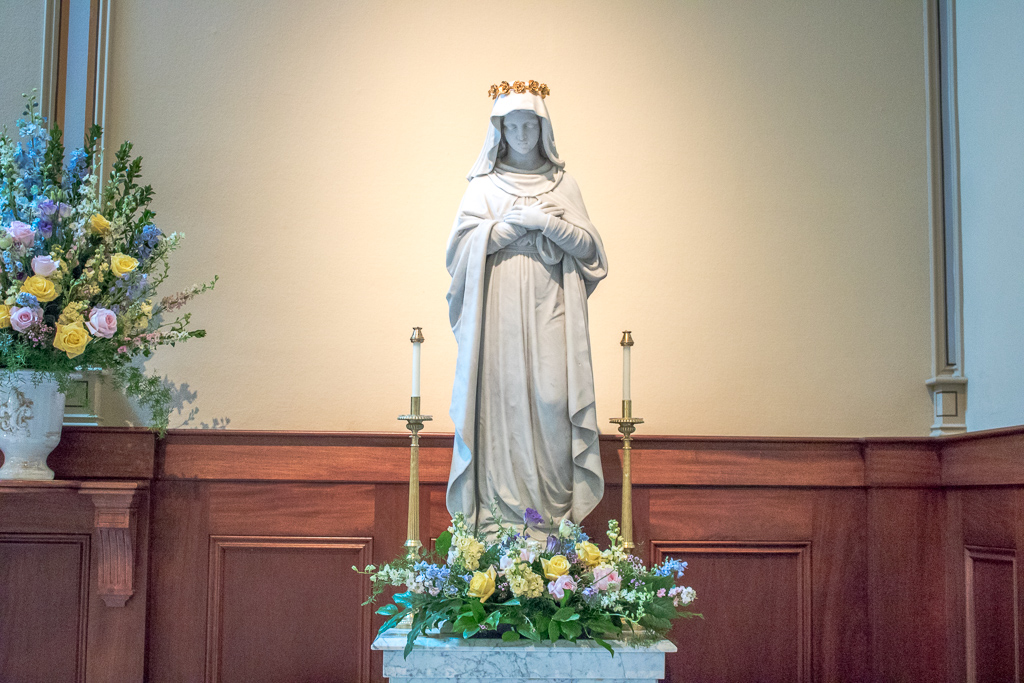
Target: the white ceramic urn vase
pixel 31 417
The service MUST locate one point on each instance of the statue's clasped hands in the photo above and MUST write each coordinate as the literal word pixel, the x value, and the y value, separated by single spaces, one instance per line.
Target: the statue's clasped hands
pixel 533 217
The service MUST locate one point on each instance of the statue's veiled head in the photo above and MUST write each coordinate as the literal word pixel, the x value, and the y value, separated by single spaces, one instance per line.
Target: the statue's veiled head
pixel 518 121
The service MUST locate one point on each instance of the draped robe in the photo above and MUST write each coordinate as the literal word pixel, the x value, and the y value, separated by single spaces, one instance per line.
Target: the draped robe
pixel 523 400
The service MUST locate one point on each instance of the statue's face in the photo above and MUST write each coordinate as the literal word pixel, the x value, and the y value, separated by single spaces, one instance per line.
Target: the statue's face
pixel 522 130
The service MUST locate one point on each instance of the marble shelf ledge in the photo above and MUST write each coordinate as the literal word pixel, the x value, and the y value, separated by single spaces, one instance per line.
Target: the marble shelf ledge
pixel 437 659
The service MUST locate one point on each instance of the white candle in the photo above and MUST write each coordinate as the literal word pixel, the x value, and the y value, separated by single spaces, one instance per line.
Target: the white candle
pixel 416 343
pixel 625 372
pixel 626 365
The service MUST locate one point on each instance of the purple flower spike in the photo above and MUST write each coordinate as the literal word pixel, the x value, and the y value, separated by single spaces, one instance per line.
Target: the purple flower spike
pixel 552 543
pixel 532 518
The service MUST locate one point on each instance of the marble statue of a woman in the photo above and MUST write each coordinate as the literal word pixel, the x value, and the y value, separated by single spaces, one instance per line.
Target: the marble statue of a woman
pixel 524 257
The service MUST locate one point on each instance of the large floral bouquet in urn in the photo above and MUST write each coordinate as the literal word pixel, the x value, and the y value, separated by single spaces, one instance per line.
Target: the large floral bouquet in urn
pixel 520 587
pixel 80 265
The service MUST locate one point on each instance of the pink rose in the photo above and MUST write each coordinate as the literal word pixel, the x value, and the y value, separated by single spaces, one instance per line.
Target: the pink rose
pixel 563 583
pixel 22 232
pixel 102 322
pixel 606 578
pixel 24 317
pixel 43 266
pixel 527 555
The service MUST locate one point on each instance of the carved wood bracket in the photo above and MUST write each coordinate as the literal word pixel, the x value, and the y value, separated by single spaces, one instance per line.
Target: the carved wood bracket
pixel 114 524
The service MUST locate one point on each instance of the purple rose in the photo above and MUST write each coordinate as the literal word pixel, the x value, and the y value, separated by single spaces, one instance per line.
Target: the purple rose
pixel 43 266
pixel 23 318
pixel 22 233
pixel 563 583
pixel 102 322
pixel 532 518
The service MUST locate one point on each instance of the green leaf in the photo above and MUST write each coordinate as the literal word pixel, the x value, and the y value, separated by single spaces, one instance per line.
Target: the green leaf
pixel 605 646
pixel 509 636
pixel 553 630
pixel 478 610
pixel 601 625
pixel 443 543
pixel 572 629
pixel 655 623
pixel 529 632
pixel 513 601
pixel 388 610
pixel 565 614
pixel 566 597
pixel 541 622
pixel 404 599
pixel 464 623
pixel 469 633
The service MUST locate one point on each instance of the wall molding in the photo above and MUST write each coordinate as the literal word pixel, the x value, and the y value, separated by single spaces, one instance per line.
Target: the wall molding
pixel 972 556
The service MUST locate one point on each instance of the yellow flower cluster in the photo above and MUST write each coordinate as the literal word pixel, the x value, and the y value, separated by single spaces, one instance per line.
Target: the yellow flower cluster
pixel 5 317
pixel 72 313
pixel 469 550
pixel 524 582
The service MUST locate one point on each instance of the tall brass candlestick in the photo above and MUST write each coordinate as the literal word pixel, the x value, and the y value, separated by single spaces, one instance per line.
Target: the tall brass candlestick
pixel 627 425
pixel 414 423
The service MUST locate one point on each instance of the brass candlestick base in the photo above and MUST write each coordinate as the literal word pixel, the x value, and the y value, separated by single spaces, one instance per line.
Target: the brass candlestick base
pixel 627 425
pixel 414 423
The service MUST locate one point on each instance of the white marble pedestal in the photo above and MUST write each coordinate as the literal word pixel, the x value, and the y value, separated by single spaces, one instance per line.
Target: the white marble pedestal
pixel 436 659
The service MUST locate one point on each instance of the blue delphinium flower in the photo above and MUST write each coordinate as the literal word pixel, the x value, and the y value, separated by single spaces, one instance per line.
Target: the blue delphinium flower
pixel 26 300
pixel 670 566
pixel 146 242
pixel 77 168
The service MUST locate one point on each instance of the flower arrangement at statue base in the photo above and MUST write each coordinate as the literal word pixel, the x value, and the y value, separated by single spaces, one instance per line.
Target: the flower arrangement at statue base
pixel 80 265
pixel 520 587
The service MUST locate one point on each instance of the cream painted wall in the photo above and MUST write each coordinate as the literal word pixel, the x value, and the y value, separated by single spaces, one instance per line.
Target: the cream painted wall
pixel 21 48
pixel 990 89
pixel 757 171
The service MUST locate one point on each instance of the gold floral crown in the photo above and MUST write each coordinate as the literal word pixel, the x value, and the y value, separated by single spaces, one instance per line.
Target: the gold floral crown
pixel 519 87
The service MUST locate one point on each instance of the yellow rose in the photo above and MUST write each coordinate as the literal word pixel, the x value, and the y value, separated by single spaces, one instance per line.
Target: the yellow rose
pixel 122 263
pixel 71 339
pixel 482 584
pixel 555 567
pixel 99 225
pixel 589 553
pixel 5 317
pixel 40 287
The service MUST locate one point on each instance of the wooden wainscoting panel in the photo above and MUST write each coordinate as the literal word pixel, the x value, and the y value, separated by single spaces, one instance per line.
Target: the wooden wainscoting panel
pixel 902 463
pixel 992 627
pixel 679 461
pixel 906 584
pixel 179 570
pixel 990 517
pixel 44 606
pixel 758 599
pixel 992 459
pixel 287 609
pixel 840 625
pixel 732 514
pixel 291 508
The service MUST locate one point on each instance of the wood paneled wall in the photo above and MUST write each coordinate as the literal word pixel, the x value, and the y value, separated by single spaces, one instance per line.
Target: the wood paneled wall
pixel 814 559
